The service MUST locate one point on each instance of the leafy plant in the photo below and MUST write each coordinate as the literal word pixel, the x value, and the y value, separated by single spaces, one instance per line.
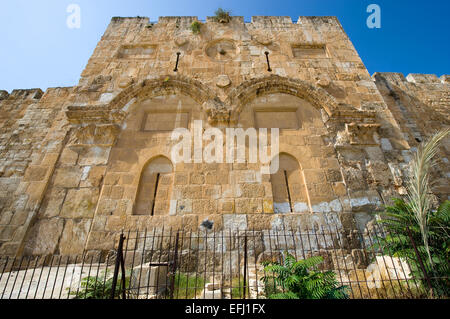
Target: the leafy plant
pixel 98 288
pixel 196 26
pixel 301 280
pixel 429 229
pixel 398 219
pixel 419 185
pixel 237 288
pixel 186 287
pixel 222 15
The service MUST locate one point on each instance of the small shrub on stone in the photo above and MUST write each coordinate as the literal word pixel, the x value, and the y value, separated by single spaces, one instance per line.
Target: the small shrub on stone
pixel 222 16
pixel 196 27
pixel 98 288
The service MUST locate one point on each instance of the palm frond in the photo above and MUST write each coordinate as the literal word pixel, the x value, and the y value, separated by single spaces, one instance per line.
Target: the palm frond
pixel 419 185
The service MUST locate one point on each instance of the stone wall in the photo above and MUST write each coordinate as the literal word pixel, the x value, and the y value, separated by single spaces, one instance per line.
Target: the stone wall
pixel 420 104
pixel 32 134
pixel 73 161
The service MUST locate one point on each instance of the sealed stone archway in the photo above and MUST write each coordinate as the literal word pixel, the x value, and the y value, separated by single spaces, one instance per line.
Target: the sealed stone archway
pixel 288 187
pixel 155 187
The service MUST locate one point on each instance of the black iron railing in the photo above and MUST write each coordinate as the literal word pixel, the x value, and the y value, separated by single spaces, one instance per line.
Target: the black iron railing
pixel 228 264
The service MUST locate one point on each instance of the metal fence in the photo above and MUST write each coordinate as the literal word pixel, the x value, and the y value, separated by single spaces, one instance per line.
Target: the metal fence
pixel 229 264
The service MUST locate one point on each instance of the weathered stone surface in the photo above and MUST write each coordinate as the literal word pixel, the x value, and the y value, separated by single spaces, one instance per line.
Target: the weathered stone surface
pixel 74 236
pixel 80 203
pixel 235 222
pixel 45 235
pixel 69 177
pixel 217 111
pixel 125 82
pixel 155 278
pixel 223 81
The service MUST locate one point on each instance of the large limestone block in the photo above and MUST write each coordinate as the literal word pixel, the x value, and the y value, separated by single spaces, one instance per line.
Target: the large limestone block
pixel 35 174
pixel 44 236
pixel 68 177
pixel 94 156
pixel 146 279
pixel 74 237
pixel 249 206
pixel 235 222
pixel 80 203
pixel 210 294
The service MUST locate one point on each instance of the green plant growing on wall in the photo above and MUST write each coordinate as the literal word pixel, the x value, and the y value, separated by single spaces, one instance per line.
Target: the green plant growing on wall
pixel 196 27
pixel 429 228
pixel 222 15
pixel 301 280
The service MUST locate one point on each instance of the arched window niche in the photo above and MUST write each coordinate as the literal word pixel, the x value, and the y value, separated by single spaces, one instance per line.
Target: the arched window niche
pixel 155 188
pixel 288 187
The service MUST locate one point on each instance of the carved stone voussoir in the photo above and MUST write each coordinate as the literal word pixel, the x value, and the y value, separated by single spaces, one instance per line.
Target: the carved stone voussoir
pixel 217 111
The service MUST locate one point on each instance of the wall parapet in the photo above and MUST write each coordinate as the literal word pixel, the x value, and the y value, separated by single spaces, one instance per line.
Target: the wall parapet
pixel 416 78
pixel 422 78
pixel 124 19
pixel 25 94
pixel 3 95
pixel 259 21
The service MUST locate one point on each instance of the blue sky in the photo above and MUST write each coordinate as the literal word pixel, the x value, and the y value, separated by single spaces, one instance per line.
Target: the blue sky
pixel 39 50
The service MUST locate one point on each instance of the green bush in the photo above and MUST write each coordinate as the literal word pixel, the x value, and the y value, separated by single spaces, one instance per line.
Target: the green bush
pixel 237 288
pixel 301 280
pixel 98 288
pixel 196 27
pixel 397 242
pixel 222 15
pixel 186 287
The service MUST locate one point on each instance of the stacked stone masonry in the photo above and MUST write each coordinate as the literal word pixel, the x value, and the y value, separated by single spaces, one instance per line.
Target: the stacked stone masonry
pixel 77 164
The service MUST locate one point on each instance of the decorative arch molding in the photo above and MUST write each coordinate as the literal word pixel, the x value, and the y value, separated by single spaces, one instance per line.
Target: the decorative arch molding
pixel 118 109
pixel 164 85
pixel 249 90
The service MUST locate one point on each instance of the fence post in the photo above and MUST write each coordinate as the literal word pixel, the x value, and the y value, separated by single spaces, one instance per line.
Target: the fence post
pixel 174 266
pixel 124 276
pixel 245 265
pixel 119 263
pixel 420 261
